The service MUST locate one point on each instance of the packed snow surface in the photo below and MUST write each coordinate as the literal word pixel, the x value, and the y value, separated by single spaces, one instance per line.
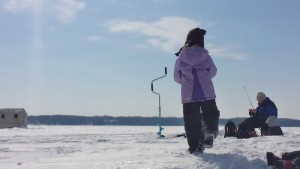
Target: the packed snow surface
pixel 130 147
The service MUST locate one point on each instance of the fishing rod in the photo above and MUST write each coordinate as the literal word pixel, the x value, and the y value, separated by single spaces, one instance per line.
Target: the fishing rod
pixel 248 97
pixel 159 105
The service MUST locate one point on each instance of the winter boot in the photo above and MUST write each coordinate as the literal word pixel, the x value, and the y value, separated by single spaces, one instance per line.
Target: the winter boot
pixel 278 164
pixel 191 151
pixel 296 163
pixel 210 126
pixel 201 147
pixel 271 158
pixel 208 141
pixel 291 155
pixel 210 122
pixel 282 164
pixel 198 150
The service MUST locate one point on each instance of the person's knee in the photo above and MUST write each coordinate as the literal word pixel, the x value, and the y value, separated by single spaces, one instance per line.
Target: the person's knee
pixel 211 120
pixel 213 115
pixel 247 120
pixel 250 120
pixel 209 106
pixel 192 120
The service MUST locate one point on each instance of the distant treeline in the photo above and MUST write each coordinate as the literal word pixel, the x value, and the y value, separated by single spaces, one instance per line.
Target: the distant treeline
pixel 133 121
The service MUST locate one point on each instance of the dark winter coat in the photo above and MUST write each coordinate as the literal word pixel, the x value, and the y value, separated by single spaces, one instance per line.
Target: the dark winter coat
pixel 267 109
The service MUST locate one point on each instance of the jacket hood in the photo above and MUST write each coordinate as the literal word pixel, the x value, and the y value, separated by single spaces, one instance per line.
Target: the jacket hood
pixel 193 55
pixel 266 101
pixel 272 121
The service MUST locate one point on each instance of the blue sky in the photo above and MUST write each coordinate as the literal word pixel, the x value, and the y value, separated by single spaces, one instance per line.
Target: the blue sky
pixel 99 57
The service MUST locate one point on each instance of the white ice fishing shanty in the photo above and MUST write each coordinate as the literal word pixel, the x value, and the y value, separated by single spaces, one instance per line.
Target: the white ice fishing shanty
pixel 13 117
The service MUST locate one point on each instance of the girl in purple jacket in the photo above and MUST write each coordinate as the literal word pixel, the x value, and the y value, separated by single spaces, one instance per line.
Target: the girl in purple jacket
pixel 194 70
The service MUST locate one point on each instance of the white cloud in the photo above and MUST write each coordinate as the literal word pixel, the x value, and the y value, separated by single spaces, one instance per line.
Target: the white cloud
pixel 169 33
pixel 67 9
pixel 95 39
pixel 17 5
pixel 64 10
pixel 227 52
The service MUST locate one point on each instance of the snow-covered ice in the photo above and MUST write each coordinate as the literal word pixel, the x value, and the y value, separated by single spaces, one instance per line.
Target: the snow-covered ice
pixel 130 147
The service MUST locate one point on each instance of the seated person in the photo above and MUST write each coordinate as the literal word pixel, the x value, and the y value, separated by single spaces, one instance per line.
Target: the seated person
pixel 271 127
pixel 290 160
pixel 265 109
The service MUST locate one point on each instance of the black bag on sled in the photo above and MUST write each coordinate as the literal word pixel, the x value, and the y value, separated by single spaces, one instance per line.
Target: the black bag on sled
pixel 242 131
pixel 230 129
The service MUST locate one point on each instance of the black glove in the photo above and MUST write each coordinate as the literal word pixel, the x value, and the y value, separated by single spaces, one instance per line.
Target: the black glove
pixel 251 114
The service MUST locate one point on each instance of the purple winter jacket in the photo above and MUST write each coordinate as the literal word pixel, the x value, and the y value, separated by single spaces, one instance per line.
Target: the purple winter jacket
pixel 194 70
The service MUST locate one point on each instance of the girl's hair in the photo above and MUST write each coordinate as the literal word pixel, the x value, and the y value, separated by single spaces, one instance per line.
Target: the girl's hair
pixel 194 37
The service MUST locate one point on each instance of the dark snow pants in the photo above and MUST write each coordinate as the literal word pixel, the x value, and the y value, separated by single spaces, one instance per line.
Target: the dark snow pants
pixel 254 122
pixel 196 114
